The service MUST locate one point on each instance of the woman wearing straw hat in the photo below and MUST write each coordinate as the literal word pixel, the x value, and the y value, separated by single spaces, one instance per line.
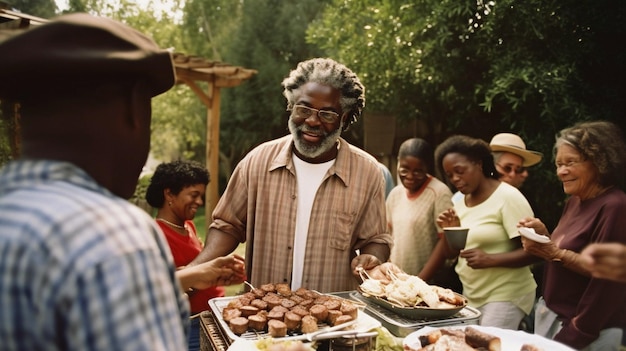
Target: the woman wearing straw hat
pixel 512 158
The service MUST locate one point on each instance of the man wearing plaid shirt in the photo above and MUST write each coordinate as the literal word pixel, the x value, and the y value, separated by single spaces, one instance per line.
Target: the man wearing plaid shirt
pixel 80 267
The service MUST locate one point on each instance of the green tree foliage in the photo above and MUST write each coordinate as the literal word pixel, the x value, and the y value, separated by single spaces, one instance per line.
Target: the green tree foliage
pixel 478 68
pixel 209 26
pixel 178 118
pixel 7 133
pixel 266 35
pixel 39 8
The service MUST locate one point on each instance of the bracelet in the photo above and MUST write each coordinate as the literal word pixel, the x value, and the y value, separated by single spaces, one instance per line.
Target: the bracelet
pixel 559 256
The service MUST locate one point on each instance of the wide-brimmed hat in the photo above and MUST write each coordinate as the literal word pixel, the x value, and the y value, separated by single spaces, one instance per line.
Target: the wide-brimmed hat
pixel 80 49
pixel 509 142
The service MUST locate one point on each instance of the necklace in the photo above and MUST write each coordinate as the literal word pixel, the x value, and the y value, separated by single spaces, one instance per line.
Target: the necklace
pixel 170 223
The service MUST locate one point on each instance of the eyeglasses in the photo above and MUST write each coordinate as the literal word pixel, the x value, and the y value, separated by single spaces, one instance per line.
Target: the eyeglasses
pixel 403 172
pixel 508 169
pixel 302 112
pixel 569 164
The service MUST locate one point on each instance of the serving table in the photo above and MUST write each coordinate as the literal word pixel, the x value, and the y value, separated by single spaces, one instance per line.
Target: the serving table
pixel 213 337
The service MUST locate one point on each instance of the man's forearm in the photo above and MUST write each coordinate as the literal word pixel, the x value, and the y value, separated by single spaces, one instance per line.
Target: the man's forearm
pixel 186 277
pixel 217 244
pixel 436 260
pixel 381 251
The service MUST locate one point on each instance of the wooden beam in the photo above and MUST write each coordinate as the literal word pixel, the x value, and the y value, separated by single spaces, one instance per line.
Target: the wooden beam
pixel 227 83
pixel 205 74
pixel 213 151
pixel 206 99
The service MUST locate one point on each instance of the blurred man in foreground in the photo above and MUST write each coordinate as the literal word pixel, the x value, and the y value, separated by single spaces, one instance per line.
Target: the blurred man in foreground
pixel 80 267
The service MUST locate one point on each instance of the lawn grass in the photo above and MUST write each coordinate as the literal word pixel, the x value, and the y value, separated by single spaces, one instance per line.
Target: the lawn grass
pixel 200 222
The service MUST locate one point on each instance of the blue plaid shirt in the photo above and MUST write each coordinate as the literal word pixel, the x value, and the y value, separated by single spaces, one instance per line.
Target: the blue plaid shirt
pixel 80 268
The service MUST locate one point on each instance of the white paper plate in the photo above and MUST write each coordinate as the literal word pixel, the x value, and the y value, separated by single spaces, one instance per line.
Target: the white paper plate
pixel 511 340
pixel 250 345
pixel 529 233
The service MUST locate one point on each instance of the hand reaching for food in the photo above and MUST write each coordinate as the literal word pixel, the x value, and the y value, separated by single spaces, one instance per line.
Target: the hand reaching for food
pixel 364 262
pixel 383 272
pixel 448 218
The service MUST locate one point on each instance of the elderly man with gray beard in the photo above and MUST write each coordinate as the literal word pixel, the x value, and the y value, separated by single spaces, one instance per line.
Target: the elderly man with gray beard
pixel 309 206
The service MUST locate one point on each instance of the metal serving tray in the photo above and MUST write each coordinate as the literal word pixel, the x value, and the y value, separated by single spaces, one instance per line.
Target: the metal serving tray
pixel 402 326
pixel 418 313
pixel 365 322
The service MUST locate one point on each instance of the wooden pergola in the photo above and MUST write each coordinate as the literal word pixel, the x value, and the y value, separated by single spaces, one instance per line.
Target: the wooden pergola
pixel 190 70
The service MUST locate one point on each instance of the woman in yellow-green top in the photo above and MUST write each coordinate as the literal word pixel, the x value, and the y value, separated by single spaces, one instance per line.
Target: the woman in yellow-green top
pixel 493 267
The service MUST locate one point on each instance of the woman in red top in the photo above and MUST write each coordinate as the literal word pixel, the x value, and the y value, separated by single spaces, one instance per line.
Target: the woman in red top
pixel 177 190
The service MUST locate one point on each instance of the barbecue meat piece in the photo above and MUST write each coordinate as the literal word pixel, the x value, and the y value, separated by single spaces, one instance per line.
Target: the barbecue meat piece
pixel 292 320
pixel 272 300
pixel 236 303
pixel 430 338
pixel 319 300
pixel 344 318
pixel 248 296
pixel 307 303
pixel 276 328
pixel 248 311
pixel 258 293
pixel 258 303
pixel 275 314
pixel 320 312
pixel 306 293
pixel 308 324
pixel 239 325
pixel 301 311
pixel 448 296
pixel 459 333
pixel 257 322
pixel 332 304
pixel 478 339
pixel 230 313
pixel 268 288
pixel 287 303
pixel 297 299
pixel 332 316
pixel 349 308
pixel 280 308
pixel 283 289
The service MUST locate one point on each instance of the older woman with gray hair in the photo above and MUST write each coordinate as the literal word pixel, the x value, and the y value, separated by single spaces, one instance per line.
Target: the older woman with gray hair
pixel 577 308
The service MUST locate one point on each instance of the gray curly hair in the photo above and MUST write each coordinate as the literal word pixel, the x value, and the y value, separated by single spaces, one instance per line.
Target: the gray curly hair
pixel 602 143
pixel 328 72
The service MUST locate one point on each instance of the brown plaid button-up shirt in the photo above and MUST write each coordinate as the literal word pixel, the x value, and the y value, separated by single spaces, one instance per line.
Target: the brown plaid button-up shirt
pixel 259 208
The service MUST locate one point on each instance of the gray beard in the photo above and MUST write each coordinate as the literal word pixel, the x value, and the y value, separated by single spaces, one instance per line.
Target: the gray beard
pixel 313 151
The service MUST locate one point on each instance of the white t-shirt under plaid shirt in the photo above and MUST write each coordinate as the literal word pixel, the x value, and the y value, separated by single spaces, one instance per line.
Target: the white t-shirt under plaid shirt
pixel 80 268
pixel 260 203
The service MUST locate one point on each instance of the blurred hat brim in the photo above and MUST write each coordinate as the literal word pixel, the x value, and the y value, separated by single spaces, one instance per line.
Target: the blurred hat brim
pixel 80 48
pixel 531 158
